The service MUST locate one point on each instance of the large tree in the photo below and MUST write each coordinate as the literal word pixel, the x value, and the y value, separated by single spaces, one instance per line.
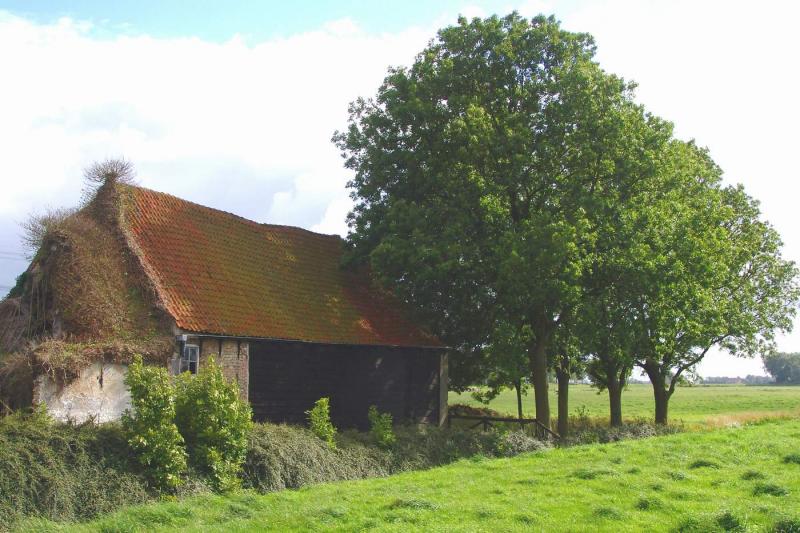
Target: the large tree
pixel 485 174
pixel 709 273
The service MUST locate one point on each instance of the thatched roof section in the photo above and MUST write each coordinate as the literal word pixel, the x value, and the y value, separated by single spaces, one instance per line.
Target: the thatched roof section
pixel 84 298
pixel 13 324
pixel 63 360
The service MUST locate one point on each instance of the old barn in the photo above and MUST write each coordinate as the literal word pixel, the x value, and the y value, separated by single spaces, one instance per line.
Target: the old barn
pixel 139 271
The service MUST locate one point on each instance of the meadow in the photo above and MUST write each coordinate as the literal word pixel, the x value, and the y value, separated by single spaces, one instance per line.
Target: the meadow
pixel 744 478
pixel 713 405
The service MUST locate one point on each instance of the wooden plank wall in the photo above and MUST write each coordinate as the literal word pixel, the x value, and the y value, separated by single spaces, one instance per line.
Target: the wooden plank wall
pixel 286 378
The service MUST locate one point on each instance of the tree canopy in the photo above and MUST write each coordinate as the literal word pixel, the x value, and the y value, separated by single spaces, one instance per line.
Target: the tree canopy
pixel 515 194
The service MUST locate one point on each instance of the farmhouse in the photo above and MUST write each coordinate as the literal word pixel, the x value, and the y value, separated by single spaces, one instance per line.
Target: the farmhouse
pixel 136 271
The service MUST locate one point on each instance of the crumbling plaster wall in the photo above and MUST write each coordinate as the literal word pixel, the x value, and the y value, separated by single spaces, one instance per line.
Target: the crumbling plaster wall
pixel 98 393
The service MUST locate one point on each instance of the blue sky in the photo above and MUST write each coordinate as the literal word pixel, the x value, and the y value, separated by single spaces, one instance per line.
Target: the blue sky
pixel 255 21
pixel 233 104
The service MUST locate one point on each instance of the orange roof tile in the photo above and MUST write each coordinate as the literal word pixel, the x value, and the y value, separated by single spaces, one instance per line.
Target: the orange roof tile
pixel 222 274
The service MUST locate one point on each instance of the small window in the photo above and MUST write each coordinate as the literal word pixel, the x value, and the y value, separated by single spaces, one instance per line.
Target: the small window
pixel 190 358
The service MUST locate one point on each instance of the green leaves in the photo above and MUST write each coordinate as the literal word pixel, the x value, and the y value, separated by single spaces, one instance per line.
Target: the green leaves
pixel 215 423
pixel 150 427
pixel 202 415
pixel 319 420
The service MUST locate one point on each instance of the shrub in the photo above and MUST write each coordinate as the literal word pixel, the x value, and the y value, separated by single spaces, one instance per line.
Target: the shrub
pixel 150 429
pixel 215 422
pixel 63 471
pixel 288 457
pixel 380 426
pixel 513 443
pixel 319 420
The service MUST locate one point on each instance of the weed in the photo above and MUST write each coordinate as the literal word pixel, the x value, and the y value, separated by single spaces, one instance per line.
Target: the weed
pixel 525 519
pixel 634 470
pixel 334 512
pixel 585 473
pixel 413 503
pixel 729 522
pixel 751 475
pixel 647 504
pixel 787 525
pixel 691 524
pixel 677 476
pixel 769 489
pixel 607 512
pixel 703 463
pixel 792 458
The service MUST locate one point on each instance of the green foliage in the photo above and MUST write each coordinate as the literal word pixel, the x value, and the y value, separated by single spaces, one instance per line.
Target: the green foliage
pixel 319 420
pixel 150 426
pixel 214 422
pixel 784 367
pixel 64 472
pixel 380 426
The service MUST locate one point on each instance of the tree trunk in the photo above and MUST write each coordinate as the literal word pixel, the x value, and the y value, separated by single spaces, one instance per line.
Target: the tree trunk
pixel 662 405
pixel 539 380
pixel 615 400
pixel 518 386
pixel 563 403
pixel 660 392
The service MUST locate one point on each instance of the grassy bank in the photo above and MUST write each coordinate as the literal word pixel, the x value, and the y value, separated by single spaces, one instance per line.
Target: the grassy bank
pixel 708 404
pixel 729 479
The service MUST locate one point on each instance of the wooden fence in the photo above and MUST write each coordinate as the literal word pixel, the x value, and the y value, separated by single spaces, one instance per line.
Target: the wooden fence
pixel 540 430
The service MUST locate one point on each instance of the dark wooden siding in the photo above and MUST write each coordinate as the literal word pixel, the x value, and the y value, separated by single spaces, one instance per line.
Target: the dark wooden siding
pixel 286 378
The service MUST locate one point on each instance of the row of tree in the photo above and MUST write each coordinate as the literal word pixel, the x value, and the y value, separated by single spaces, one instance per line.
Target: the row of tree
pixel 539 219
pixel 784 367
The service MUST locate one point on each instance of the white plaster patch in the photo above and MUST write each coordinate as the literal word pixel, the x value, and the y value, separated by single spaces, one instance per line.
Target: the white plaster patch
pixel 98 393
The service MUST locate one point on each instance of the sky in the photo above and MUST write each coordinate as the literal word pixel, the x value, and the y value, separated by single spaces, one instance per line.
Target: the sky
pixel 233 104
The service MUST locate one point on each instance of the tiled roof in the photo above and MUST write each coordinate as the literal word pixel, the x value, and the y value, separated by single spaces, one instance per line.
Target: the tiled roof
pixel 222 274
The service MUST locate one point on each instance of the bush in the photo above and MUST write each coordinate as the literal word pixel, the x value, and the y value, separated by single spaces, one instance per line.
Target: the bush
pixel 319 420
pixel 65 472
pixel 214 422
pixel 287 457
pixel 380 426
pixel 150 429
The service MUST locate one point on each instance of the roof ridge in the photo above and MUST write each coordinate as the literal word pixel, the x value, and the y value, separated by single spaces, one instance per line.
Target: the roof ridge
pixel 264 225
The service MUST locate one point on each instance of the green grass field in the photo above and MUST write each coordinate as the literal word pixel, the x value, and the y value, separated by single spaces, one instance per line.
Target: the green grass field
pixel 734 479
pixel 714 404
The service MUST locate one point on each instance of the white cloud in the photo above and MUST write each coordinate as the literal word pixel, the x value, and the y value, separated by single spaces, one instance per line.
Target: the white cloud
pixel 170 104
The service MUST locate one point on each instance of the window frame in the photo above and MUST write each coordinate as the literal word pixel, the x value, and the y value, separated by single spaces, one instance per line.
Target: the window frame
pixel 187 360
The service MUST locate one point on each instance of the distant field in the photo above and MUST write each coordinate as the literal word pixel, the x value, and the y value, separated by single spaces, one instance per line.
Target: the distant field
pixel 734 479
pixel 706 403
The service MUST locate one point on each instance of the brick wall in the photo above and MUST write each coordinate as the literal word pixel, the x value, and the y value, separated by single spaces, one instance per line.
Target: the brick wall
pixel 232 355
